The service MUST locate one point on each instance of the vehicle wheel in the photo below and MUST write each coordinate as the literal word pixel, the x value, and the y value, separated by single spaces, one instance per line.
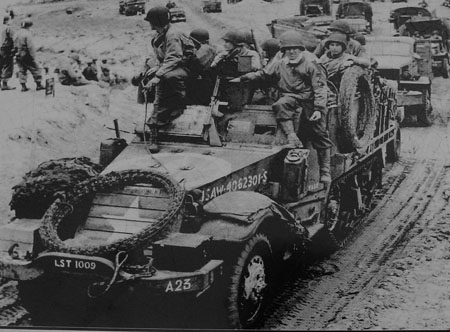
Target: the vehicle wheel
pixel 251 283
pixel 424 117
pixel 393 148
pixel 445 68
pixel 357 124
pixel 78 196
pixel 34 195
pixel 331 235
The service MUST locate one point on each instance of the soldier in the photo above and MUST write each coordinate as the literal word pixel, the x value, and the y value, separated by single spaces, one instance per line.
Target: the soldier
pixel 105 71
pixel 204 53
pixel 335 60
pixel 302 84
pixel 6 54
pixel 26 56
pixel 270 47
pixel 353 47
pixel 174 51
pixel 71 73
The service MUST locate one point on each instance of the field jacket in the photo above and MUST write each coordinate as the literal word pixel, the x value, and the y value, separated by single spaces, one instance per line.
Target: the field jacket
pixel 6 41
pixel 24 44
pixel 173 49
pixel 304 79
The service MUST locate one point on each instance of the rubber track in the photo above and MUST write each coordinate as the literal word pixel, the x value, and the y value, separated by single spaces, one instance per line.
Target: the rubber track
pixel 11 312
pixel 314 303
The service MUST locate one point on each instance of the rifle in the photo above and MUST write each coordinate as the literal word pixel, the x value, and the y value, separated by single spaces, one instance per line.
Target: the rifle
pixel 210 129
pixel 258 49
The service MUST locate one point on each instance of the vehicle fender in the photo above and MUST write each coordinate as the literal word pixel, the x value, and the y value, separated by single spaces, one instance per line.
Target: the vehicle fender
pixel 236 216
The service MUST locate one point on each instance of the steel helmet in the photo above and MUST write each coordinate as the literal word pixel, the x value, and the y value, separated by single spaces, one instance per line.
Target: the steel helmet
pixel 271 46
pixel 245 37
pixel 359 37
pixel 233 37
pixel 26 23
pixel 5 19
pixel 158 16
pixel 292 39
pixel 337 37
pixel 200 35
pixel 341 26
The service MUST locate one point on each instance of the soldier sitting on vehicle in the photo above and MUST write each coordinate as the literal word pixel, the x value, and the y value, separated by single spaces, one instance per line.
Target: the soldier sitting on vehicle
pixel 173 50
pixel 353 47
pixel 227 61
pixel 201 77
pixel 335 60
pixel 302 84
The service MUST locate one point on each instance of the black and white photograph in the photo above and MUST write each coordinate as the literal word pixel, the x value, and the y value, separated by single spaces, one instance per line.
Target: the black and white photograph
pixel 224 165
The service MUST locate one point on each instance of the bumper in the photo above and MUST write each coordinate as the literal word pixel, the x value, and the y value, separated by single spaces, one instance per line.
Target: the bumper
pixel 160 281
pixel 178 19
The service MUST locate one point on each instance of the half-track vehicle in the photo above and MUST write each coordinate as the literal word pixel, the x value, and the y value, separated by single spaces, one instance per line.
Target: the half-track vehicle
pixel 312 8
pixel 409 64
pixel 357 13
pixel 177 14
pixel 399 16
pixel 221 209
pixel 212 6
pixel 131 7
pixel 439 45
pixel 313 29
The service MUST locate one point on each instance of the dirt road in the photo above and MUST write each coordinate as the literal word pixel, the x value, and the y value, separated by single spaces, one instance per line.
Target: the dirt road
pixel 392 274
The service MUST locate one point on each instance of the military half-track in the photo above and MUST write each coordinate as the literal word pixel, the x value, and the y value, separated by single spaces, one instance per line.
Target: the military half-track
pixel 205 215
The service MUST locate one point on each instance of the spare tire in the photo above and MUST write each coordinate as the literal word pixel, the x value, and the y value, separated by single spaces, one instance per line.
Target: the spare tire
pixel 357 124
pixel 35 193
pixel 113 181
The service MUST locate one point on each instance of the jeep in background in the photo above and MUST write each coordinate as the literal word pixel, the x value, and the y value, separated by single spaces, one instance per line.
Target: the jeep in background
pixel 131 7
pixel 357 13
pixel 212 6
pixel 177 14
pixel 400 60
pixel 424 26
pixel 400 15
pixel 313 8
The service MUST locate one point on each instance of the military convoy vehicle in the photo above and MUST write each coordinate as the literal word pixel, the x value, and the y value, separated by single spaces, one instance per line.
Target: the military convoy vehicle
pixel 132 7
pixel 177 14
pixel 212 6
pixel 439 46
pixel 220 211
pixel 399 16
pixel 357 13
pixel 408 64
pixel 313 29
pixel 312 8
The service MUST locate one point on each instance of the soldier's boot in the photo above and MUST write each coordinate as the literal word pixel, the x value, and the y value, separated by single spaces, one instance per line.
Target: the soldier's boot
pixel 153 141
pixel 288 129
pixel 39 86
pixel 324 165
pixel 24 87
pixel 5 86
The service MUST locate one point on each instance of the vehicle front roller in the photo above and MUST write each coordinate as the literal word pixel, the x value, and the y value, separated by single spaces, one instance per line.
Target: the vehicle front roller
pixel 251 283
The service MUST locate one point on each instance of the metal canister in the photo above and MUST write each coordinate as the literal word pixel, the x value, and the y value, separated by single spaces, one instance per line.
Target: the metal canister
pixel 110 149
pixel 294 175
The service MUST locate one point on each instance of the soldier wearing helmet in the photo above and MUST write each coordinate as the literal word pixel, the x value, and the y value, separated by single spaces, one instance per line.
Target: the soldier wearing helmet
pixel 270 48
pixel 235 47
pixel 204 53
pixel 174 50
pixel 353 47
pixel 70 72
pixel 6 54
pixel 26 56
pixel 302 85
pixel 335 60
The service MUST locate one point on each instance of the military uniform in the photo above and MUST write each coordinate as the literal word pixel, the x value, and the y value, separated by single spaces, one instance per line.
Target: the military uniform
pixel 173 49
pixel 302 85
pixel 353 48
pixel 26 56
pixel 6 55
pixel 71 73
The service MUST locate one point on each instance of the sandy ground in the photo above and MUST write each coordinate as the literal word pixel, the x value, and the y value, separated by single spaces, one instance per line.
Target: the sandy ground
pixel 408 289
